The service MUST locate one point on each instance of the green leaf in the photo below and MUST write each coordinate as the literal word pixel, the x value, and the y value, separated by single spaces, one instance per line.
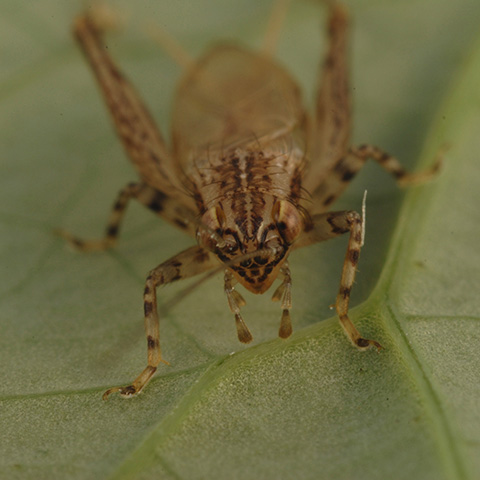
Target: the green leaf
pixel 310 407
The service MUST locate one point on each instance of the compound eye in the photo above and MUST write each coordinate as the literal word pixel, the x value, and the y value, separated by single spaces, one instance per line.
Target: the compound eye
pixel 231 245
pixel 288 219
pixel 209 232
pixel 273 242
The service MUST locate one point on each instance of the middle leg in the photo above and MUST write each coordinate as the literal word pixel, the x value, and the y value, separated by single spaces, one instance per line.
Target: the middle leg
pixel 163 205
pixel 344 171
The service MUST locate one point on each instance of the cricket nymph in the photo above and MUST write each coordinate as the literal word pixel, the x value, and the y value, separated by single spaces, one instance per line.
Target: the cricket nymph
pixel 251 211
pixel 238 132
pixel 251 219
pixel 251 174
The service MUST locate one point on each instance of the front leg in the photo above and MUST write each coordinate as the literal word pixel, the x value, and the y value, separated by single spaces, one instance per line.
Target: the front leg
pixel 330 225
pixel 186 264
pixel 355 225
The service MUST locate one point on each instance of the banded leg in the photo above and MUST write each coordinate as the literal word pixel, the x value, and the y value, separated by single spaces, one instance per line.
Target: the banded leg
pixel 140 136
pixel 155 200
pixel 330 225
pixel 359 155
pixel 186 264
pixel 330 135
pixel 235 301
pixel 346 168
pixel 284 294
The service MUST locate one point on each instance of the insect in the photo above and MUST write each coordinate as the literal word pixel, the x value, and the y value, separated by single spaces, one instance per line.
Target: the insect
pixel 250 175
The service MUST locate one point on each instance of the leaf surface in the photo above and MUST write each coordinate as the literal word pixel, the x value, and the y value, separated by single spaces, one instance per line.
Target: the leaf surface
pixel 310 407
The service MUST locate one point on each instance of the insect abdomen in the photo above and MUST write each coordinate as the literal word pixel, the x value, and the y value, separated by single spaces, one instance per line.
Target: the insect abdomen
pixel 230 98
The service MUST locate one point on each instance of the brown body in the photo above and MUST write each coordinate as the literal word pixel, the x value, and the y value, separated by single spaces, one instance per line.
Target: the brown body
pixel 238 137
pixel 250 176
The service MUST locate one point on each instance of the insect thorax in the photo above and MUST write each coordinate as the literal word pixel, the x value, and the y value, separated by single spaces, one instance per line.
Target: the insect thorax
pixel 249 204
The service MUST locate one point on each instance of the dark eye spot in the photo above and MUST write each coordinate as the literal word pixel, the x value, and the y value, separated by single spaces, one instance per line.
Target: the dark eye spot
pixel 260 260
pixel 246 263
pixel 288 219
pixel 232 247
